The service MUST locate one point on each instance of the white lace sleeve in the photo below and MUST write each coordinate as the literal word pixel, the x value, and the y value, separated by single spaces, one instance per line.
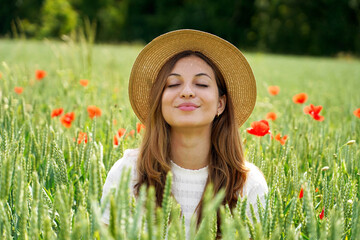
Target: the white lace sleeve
pixel 114 176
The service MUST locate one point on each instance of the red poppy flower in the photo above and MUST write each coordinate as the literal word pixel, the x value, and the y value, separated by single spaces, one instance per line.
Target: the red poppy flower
pixel 260 128
pixel 18 90
pixel 317 189
pixel 121 132
pixel 322 214
pixel 357 112
pixel 301 194
pixel 57 112
pixel 116 141
pixel 94 111
pixel 114 122
pixel 139 126
pixel 271 115
pixel 300 98
pixel 84 82
pixel 282 140
pixel 40 74
pixel 314 111
pixel 274 90
pixel 131 134
pixel 82 137
pixel 67 118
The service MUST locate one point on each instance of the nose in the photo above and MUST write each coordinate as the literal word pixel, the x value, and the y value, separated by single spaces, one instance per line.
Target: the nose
pixel 187 91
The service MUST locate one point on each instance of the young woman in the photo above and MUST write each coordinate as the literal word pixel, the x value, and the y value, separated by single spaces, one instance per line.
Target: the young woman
pixel 192 90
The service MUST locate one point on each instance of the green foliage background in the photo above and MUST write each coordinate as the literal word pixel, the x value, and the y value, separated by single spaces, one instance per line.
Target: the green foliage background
pixel 50 186
pixel 324 27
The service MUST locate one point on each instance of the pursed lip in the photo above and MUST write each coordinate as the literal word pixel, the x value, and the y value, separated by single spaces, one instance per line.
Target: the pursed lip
pixel 187 105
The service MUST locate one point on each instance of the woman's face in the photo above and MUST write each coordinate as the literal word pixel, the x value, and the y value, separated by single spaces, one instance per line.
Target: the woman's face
pixel 190 97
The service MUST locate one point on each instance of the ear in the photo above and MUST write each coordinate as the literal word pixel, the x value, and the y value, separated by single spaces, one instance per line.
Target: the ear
pixel 221 104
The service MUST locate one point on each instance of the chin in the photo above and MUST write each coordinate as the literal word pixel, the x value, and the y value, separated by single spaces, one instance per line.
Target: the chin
pixel 188 124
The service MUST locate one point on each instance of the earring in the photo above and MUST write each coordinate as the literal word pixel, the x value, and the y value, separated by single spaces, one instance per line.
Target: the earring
pixel 218 114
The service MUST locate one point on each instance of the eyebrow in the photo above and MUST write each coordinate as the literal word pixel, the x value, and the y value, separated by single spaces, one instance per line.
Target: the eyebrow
pixel 197 75
pixel 174 74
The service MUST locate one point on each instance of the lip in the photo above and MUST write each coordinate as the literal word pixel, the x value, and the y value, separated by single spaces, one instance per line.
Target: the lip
pixel 187 106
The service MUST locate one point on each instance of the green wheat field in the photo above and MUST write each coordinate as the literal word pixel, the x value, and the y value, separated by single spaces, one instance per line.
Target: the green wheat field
pixel 51 176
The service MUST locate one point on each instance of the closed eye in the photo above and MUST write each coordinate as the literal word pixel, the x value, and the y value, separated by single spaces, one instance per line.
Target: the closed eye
pixel 173 85
pixel 202 85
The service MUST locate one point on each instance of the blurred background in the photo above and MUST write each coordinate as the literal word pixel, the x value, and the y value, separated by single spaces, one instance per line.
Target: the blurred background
pixel 304 27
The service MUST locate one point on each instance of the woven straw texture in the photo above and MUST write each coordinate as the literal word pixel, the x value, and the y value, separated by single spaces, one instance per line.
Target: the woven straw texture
pixel 239 78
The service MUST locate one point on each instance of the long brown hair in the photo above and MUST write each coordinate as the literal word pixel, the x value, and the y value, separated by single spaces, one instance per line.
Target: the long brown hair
pixel 226 166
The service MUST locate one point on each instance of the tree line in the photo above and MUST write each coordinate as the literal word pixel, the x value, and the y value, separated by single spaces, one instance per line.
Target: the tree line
pixel 322 27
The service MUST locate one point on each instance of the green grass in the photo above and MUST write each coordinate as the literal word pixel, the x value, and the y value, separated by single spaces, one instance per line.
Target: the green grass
pixel 51 186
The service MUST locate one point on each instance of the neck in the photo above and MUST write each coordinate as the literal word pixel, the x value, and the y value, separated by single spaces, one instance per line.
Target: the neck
pixel 190 148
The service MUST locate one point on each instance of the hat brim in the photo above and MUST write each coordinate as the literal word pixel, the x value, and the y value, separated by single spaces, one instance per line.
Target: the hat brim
pixel 237 73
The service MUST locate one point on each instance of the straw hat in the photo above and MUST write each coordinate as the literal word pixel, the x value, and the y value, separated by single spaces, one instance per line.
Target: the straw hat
pixel 238 76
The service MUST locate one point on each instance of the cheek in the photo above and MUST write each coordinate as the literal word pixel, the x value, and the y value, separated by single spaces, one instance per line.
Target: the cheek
pixel 165 104
pixel 168 97
pixel 213 100
pixel 165 100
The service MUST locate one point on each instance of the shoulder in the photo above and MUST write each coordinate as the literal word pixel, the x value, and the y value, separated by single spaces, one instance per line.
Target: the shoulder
pixel 112 180
pixel 128 160
pixel 255 183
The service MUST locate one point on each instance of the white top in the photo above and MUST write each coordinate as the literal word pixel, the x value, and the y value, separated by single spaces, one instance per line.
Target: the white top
pixel 187 187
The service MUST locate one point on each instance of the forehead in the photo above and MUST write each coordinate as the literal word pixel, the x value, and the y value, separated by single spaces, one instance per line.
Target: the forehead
pixel 192 63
